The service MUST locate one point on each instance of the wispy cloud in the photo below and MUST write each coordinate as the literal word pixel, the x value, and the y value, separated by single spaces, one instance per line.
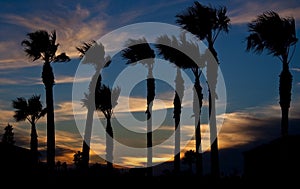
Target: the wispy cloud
pixel 18 81
pixel 296 69
pixel 73 26
pixel 138 104
pixel 65 79
pixel 12 56
pixel 245 11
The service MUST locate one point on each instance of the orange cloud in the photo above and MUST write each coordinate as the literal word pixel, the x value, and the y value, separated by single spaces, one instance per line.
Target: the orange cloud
pixel 72 29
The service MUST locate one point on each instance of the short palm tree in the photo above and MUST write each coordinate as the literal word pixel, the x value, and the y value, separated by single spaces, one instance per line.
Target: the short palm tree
pixel 31 110
pixel 174 50
pixel 8 135
pixel 206 23
pixel 276 35
pixel 91 53
pixel 189 158
pixel 42 45
pixel 139 51
pixel 106 100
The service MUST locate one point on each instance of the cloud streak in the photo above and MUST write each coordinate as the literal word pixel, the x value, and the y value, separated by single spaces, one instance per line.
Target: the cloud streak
pixel 73 26
pixel 245 11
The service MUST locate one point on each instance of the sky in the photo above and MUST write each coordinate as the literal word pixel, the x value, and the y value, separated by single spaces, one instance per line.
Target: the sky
pixel 252 112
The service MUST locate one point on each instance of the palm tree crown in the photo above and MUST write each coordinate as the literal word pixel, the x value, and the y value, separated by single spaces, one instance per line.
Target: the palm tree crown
pixel 138 50
pixel 209 21
pixel 31 110
pixel 42 45
pixel 107 99
pixel 272 33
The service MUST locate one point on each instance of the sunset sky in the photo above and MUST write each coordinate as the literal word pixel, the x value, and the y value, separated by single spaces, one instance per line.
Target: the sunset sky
pixel 252 111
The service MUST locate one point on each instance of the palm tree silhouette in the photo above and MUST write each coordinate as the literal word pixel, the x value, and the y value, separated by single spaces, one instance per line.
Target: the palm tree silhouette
pixel 277 35
pixel 8 136
pixel 189 158
pixel 179 92
pixel 91 53
pixel 106 100
pixel 139 51
pixel 42 45
pixel 174 50
pixel 206 23
pixel 31 110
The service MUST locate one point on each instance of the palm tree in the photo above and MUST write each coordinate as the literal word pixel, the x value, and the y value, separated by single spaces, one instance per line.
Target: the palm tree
pixel 31 110
pixel 175 51
pixel 78 159
pixel 106 100
pixel 277 35
pixel 91 53
pixel 42 45
pixel 206 23
pixel 179 92
pixel 189 158
pixel 139 51
pixel 8 136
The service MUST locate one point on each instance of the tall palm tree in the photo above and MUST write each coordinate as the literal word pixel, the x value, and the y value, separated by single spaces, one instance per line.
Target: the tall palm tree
pixel 174 50
pixel 276 35
pixel 42 45
pixel 206 23
pixel 179 92
pixel 139 51
pixel 106 100
pixel 31 110
pixel 91 53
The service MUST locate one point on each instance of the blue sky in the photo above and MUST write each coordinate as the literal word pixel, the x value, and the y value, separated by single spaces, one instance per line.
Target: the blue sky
pixel 252 113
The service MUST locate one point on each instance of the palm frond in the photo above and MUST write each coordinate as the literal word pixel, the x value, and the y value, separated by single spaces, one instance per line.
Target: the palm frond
pixel 223 20
pixel 179 51
pixel 34 106
pixel 42 113
pixel 42 45
pixel 31 109
pixel 197 19
pixel 106 99
pixel 84 48
pixel 138 50
pixel 271 32
pixel 94 53
pixel 115 96
pixel 21 106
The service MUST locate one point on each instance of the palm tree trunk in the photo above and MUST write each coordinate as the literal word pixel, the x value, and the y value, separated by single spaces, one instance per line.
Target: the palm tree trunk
pixel 197 105
pixel 285 88
pixel 215 167
pixel 109 144
pixel 95 82
pixel 150 98
pixel 87 138
pixel 212 75
pixel 177 111
pixel 48 80
pixel 34 143
pixel 177 139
